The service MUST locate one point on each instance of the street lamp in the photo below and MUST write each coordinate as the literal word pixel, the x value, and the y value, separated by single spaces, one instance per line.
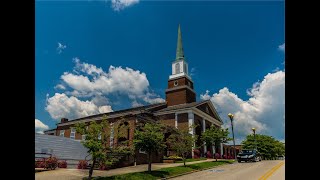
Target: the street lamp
pixel 234 144
pixel 254 134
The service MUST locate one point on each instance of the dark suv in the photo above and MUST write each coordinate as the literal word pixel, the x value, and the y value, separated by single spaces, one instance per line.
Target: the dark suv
pixel 248 155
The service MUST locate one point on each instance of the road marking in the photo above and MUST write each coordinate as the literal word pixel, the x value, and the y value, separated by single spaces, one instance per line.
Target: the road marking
pixel 271 171
pixel 216 170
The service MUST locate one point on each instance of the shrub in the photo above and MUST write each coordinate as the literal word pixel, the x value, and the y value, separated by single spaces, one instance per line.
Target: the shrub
pixel 40 163
pixel 175 157
pixel 209 155
pixel 196 154
pixel 103 167
pixel 217 156
pixel 62 164
pixel 82 164
pixel 51 163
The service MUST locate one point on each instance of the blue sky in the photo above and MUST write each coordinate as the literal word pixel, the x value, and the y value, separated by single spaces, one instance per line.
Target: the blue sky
pixel 230 47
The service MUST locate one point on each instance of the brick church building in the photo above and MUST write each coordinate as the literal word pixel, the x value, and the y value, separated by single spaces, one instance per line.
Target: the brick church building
pixel 179 111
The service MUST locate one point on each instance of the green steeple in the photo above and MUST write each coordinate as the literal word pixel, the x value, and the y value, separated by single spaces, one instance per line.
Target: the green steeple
pixel 179 53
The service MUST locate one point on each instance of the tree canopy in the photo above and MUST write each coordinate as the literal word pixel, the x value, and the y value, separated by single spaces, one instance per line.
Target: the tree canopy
pixel 267 146
pixel 182 142
pixel 149 138
pixel 96 140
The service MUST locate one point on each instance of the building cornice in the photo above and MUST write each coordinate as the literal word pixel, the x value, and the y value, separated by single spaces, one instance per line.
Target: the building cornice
pixel 180 87
pixel 100 118
pixel 206 116
pixel 179 77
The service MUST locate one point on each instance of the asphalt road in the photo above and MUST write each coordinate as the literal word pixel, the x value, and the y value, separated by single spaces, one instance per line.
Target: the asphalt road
pixel 271 170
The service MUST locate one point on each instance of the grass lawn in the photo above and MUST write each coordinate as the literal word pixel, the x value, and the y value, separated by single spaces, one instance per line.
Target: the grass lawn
pixel 191 160
pixel 166 172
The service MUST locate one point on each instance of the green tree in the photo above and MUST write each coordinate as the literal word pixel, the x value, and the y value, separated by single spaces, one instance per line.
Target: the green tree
pixel 96 136
pixel 182 142
pixel 149 139
pixel 215 136
pixel 267 146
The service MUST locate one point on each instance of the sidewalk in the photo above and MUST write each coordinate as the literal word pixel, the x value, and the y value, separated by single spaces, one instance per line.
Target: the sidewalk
pixel 72 174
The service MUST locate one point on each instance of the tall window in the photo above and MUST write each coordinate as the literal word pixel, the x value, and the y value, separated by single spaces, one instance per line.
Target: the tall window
pixel 99 136
pixel 177 68
pixel 62 133
pixel 73 133
pixel 83 137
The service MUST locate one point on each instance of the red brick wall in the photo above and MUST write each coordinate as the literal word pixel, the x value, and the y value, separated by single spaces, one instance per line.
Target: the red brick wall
pixel 181 81
pixel 180 96
pixel 183 122
pixel 168 119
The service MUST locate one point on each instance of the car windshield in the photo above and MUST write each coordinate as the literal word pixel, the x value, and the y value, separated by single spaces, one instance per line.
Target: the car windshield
pixel 247 151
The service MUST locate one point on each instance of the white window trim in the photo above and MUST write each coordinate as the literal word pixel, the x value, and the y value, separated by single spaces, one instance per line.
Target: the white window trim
pixel 62 133
pixel 83 137
pixel 73 133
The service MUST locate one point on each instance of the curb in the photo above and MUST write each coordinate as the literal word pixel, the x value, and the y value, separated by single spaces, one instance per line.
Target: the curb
pixel 190 172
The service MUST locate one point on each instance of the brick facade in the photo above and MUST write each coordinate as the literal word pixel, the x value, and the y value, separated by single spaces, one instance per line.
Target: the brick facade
pixel 180 94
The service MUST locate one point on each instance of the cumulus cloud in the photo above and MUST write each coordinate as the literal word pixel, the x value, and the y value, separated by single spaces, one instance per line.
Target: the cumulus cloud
pixel 118 79
pixel 60 86
pixel 136 104
pixel 282 47
pixel 60 47
pixel 87 80
pixel 61 106
pixel 40 127
pixel 87 87
pixel 118 5
pixel 264 110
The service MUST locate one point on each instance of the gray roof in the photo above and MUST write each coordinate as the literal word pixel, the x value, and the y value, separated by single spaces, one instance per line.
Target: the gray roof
pixel 181 106
pixel 61 147
pixel 120 112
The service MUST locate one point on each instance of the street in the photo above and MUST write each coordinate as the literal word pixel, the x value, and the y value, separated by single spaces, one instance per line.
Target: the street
pixel 271 170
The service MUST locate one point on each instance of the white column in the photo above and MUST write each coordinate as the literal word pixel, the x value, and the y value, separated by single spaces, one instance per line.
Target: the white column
pixel 111 134
pixel 191 128
pixel 176 120
pixel 204 129
pixel 213 150
pixel 221 146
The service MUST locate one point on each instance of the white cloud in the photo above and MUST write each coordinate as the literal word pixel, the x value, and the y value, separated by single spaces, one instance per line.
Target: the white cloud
pixel 136 104
pixel 118 5
pixel 60 47
pixel 205 96
pixel 60 86
pixel 40 127
pixel 264 110
pixel 60 106
pixel 88 86
pixel 118 79
pixel 151 98
pixel 88 80
pixel 282 47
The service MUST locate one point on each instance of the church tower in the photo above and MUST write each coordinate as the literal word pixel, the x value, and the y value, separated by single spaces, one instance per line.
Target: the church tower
pixel 180 86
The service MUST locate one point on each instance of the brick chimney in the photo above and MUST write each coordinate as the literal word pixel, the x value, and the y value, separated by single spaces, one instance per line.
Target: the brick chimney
pixel 64 120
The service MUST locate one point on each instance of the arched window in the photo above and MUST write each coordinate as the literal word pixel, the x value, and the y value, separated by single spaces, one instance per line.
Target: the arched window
pixel 177 68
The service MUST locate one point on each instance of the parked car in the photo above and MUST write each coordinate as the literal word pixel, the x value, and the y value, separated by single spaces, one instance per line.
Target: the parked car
pixel 249 155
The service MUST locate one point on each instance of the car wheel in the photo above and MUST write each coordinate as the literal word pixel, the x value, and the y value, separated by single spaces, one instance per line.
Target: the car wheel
pixel 239 161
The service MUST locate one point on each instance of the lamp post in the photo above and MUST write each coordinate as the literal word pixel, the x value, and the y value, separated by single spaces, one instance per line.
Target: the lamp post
pixel 234 144
pixel 254 135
